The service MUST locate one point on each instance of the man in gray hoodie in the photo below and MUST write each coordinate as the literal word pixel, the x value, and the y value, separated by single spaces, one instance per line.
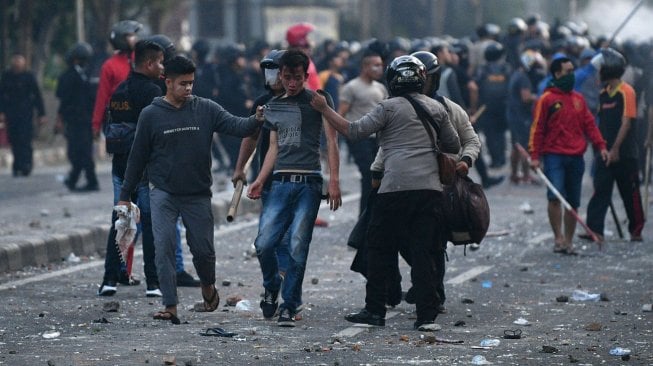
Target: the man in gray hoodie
pixel 173 142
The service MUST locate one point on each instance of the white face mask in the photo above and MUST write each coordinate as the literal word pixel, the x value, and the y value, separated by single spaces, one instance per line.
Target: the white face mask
pixel 271 76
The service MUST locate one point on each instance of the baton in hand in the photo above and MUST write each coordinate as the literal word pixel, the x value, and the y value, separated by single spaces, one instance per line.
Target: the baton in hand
pixel 564 202
pixel 238 191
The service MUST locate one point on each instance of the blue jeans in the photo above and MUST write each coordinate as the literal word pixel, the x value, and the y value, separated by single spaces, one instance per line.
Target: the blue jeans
pixel 283 251
pixel 112 263
pixel 291 209
pixel 566 174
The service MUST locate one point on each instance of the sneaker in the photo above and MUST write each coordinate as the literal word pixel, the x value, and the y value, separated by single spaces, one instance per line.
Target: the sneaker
pixel 185 279
pixel 127 280
pixel 269 303
pixel 474 247
pixel 107 289
pixel 365 317
pixel 427 326
pixel 286 318
pixel 153 291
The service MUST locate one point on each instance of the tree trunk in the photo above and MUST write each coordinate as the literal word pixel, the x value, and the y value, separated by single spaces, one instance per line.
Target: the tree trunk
pixel 25 35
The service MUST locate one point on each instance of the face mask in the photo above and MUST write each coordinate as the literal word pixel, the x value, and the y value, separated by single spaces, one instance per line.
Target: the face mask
pixel 271 76
pixel 565 83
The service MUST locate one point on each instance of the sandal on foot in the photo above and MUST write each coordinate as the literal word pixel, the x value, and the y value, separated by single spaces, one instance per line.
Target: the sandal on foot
pixel 558 249
pixel 167 315
pixel 217 332
pixel 569 251
pixel 212 303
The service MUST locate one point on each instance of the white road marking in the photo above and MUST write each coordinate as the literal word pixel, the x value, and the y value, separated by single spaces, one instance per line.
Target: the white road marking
pixel 221 230
pixel 468 275
pixel 359 328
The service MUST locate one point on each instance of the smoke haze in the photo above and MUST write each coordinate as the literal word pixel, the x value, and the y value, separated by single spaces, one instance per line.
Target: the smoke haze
pixel 604 17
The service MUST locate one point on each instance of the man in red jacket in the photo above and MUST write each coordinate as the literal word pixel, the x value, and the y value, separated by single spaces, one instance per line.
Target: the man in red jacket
pixel 116 69
pixel 297 36
pixel 561 124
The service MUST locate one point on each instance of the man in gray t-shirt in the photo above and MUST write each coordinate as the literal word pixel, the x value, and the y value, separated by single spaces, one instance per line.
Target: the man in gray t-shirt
pixel 357 98
pixel 293 160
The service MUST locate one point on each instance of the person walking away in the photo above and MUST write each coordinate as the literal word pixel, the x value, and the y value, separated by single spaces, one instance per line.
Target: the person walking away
pixel 408 208
pixel 561 124
pixel 74 117
pixel 357 98
pixel 173 143
pixel 293 160
pixel 126 104
pixel 617 114
pixel 19 96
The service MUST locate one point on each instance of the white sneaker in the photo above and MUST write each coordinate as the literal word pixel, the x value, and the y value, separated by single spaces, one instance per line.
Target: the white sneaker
pixel 107 289
pixel 153 292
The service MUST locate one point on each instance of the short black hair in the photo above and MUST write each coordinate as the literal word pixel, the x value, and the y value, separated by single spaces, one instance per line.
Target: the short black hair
pixel 146 50
pixel 556 64
pixel 179 65
pixel 369 53
pixel 293 58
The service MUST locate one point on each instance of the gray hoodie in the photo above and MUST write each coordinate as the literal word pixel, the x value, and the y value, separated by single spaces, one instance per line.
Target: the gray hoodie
pixel 175 145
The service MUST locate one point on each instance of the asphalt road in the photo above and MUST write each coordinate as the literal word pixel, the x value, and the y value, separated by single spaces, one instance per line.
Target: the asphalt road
pixel 51 315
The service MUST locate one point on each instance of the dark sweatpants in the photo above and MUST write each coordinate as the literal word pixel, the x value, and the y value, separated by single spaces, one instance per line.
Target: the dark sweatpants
pixel 197 217
pixel 625 174
pixel 413 219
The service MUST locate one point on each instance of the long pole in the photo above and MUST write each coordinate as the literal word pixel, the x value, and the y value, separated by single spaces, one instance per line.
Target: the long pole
pixel 647 180
pixel 79 17
pixel 623 24
pixel 564 202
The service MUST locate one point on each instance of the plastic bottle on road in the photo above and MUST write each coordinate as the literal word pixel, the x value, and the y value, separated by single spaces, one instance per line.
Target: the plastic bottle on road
pixel 618 351
pixel 579 295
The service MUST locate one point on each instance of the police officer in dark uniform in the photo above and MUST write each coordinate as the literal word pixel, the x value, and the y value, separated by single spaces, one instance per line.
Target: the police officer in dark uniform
pixel 19 96
pixel 74 116
pixel 125 106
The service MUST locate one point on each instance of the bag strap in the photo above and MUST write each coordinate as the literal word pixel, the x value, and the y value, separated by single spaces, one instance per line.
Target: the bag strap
pixel 424 117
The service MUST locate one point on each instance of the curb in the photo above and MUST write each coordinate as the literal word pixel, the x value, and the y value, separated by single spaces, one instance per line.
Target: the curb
pixel 37 252
pixel 41 157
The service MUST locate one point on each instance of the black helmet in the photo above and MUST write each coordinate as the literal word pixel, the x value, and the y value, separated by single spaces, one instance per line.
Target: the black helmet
pixel 517 26
pixel 119 32
pixel 612 64
pixel 166 43
pixel 493 51
pixel 405 74
pixel 429 60
pixel 271 60
pixel 81 51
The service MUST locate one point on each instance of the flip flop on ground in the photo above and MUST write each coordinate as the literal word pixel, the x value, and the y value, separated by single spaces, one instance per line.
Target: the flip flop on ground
pixel 217 332
pixel 166 315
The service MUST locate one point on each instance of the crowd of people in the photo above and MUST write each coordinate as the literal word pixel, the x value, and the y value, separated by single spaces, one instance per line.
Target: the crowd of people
pixel 168 117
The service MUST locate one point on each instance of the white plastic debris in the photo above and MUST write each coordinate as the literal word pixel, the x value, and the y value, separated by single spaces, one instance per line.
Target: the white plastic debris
pixel 647 308
pixel 51 334
pixel 526 208
pixel 618 351
pixel 579 295
pixel 522 321
pixel 125 226
pixel 490 342
pixel 72 258
pixel 244 305
pixel 480 360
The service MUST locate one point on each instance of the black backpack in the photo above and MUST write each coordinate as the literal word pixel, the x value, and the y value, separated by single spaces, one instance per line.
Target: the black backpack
pixel 466 211
pixel 120 125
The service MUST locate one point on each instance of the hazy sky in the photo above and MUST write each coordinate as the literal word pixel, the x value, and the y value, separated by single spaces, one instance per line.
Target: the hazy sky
pixel 604 17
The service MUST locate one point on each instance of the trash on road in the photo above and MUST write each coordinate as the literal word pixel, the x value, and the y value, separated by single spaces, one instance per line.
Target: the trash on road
pixel 618 351
pixel 579 295
pixel 111 306
pixel 647 308
pixel 217 332
pixel 51 334
pixel 490 342
pixel 522 321
pixel 562 298
pixel 233 300
pixel 526 208
pixel 244 305
pixel 480 360
pixel 594 327
pixel 72 258
pixel 549 349
pixel 486 284
pixel 512 334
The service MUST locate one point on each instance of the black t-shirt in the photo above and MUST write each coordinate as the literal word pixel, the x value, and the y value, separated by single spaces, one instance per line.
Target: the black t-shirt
pixel 613 105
